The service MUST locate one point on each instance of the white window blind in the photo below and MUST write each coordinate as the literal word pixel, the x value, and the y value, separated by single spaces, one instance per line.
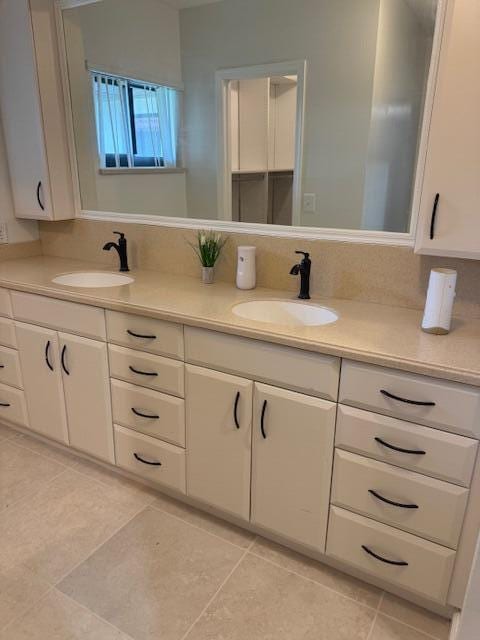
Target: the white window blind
pixel 137 123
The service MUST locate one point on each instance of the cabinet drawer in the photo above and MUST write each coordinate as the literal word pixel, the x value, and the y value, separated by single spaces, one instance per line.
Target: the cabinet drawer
pixel 441 506
pixel 163 416
pixel 147 370
pixel 13 407
pixel 145 334
pixel 442 455
pixel 429 566
pixel 10 371
pixel 5 303
pixel 298 370
pixel 59 314
pixel 451 406
pixel 7 332
pixel 162 463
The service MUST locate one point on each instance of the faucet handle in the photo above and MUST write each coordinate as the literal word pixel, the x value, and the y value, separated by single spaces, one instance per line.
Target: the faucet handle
pixel 304 254
pixel 119 233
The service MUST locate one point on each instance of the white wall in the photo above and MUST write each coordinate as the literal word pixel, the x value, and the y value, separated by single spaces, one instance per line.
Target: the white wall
pixel 338 39
pixel 403 53
pixel 141 40
pixel 18 230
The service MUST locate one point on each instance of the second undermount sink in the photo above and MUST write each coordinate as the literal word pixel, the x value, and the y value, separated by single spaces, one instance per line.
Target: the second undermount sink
pixel 284 312
pixel 93 279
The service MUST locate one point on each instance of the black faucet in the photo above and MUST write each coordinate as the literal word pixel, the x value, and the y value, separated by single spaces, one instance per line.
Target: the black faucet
pixel 121 249
pixel 304 270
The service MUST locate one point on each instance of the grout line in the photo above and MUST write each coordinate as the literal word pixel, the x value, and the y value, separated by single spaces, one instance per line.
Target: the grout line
pixel 30 608
pixel 29 496
pixel 374 621
pixel 210 533
pixel 95 615
pixel 405 624
pixel 237 564
pixel 15 441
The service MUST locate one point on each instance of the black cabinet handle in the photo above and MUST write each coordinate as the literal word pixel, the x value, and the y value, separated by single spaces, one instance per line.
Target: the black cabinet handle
pixel 397 563
pixel 5 404
pixel 262 420
pixel 415 402
pixel 434 216
pixel 40 203
pixel 415 452
pixel 144 415
pixel 139 335
pixel 391 502
pixel 235 410
pixel 47 354
pixel 64 366
pixel 143 373
pixel 2 366
pixel 152 464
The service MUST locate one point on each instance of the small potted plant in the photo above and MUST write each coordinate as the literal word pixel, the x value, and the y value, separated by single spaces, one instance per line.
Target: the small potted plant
pixel 208 248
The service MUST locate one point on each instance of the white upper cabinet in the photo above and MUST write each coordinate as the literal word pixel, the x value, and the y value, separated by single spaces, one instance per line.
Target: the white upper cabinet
pixel 449 223
pixel 32 112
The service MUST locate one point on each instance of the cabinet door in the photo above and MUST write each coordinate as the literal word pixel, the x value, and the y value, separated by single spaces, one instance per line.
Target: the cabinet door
pixel 293 437
pixel 452 168
pixel 21 112
pixel 42 380
pixel 218 418
pixel 87 395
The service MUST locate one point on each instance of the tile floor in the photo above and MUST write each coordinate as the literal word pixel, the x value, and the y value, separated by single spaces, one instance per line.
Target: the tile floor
pixel 88 555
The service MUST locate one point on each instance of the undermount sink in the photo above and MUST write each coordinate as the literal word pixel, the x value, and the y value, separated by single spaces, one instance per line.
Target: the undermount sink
pixel 93 279
pixel 293 314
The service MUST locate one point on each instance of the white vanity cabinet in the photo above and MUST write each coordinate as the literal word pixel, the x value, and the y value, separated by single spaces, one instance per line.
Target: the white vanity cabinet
pixel 31 103
pixel 219 420
pixel 449 221
pixel 292 452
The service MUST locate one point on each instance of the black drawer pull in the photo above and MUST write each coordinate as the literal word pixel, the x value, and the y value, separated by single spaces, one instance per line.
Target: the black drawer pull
pixel 47 356
pixel 139 335
pixel 5 404
pixel 418 403
pixel 397 563
pixel 143 373
pixel 64 366
pixel 262 420
pixel 40 203
pixel 2 366
pixel 391 502
pixel 144 415
pixel 235 410
pixel 152 464
pixel 415 452
pixel 434 216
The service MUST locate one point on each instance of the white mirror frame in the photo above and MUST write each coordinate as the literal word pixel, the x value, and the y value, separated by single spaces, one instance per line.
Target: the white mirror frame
pixel 306 233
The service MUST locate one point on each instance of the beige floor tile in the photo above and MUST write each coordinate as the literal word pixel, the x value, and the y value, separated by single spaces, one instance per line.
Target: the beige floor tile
pixel 6 432
pixel 50 451
pixel 264 602
pixel 154 577
pixel 388 629
pixel 23 472
pixel 421 619
pixel 63 523
pixel 209 523
pixel 321 573
pixel 56 617
pixel 19 590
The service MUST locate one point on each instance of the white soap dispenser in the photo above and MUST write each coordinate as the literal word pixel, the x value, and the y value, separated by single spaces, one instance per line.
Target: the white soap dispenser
pixel 246 269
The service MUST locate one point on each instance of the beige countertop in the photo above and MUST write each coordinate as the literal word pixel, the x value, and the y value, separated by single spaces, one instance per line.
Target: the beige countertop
pixel 380 334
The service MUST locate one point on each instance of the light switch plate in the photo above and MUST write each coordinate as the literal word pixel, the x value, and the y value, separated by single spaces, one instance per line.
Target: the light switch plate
pixel 309 202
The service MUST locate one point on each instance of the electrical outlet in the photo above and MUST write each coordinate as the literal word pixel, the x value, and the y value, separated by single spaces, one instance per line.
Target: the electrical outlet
pixel 3 233
pixel 309 202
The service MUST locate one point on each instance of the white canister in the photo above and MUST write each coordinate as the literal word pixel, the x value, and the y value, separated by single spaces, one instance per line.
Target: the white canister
pixel 246 269
pixel 440 298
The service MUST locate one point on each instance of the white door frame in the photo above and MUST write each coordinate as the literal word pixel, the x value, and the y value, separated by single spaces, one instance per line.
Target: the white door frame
pixel 224 160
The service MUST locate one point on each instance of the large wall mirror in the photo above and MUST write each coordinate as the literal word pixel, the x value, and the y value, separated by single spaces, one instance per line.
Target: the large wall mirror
pixel 299 113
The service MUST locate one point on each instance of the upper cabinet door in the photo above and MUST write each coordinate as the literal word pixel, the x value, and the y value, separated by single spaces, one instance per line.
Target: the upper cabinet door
pixel 219 419
pixel 42 380
pixel 86 385
pixel 449 223
pixel 293 437
pixel 31 104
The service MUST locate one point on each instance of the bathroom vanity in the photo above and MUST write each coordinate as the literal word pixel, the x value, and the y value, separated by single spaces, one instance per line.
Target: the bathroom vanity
pixel 367 461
